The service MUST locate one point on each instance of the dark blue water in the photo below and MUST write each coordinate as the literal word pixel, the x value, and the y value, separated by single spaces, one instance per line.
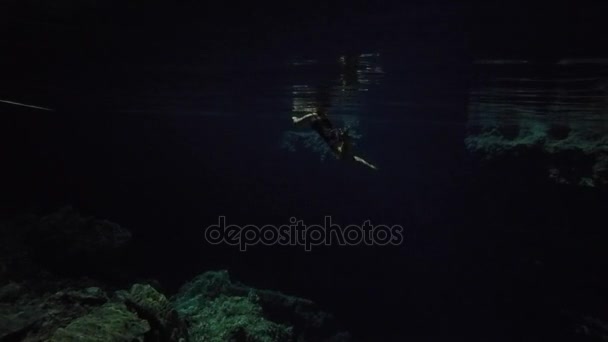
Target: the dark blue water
pixel 165 145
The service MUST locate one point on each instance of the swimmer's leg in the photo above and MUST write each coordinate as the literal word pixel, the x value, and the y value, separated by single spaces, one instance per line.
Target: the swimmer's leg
pixel 301 119
pixel 364 162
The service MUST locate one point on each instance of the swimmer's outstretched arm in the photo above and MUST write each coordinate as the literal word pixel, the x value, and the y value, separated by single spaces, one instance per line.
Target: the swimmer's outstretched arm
pixel 296 120
pixel 364 162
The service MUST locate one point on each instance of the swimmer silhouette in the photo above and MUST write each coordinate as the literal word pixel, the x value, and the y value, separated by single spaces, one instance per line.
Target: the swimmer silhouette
pixel 337 139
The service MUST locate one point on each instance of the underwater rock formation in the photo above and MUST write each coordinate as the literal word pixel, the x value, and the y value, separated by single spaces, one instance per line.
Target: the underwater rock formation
pixel 157 310
pixel 88 314
pixel 235 319
pixel 71 234
pixel 558 114
pixel 62 240
pixel 247 314
pixel 210 308
pixel 32 315
pixel 110 322
pixel 36 304
pixel 40 305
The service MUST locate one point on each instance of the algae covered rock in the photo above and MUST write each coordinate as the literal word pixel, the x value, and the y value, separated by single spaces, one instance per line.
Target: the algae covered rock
pixel 235 319
pixel 156 309
pixel 220 311
pixel 29 315
pixel 112 322
pixel 203 289
pixel 16 322
pixel 88 313
pixel 218 308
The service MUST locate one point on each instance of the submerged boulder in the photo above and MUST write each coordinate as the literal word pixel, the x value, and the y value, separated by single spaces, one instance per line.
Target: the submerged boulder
pixel 218 308
pixel 155 308
pixel 68 233
pixel 29 315
pixel 89 314
pixel 63 242
pixel 112 322
pixel 232 318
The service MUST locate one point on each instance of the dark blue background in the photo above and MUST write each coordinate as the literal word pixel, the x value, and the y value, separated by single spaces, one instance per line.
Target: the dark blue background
pixel 167 116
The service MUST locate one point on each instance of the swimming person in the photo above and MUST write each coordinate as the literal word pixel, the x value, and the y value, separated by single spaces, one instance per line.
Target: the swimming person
pixel 337 139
